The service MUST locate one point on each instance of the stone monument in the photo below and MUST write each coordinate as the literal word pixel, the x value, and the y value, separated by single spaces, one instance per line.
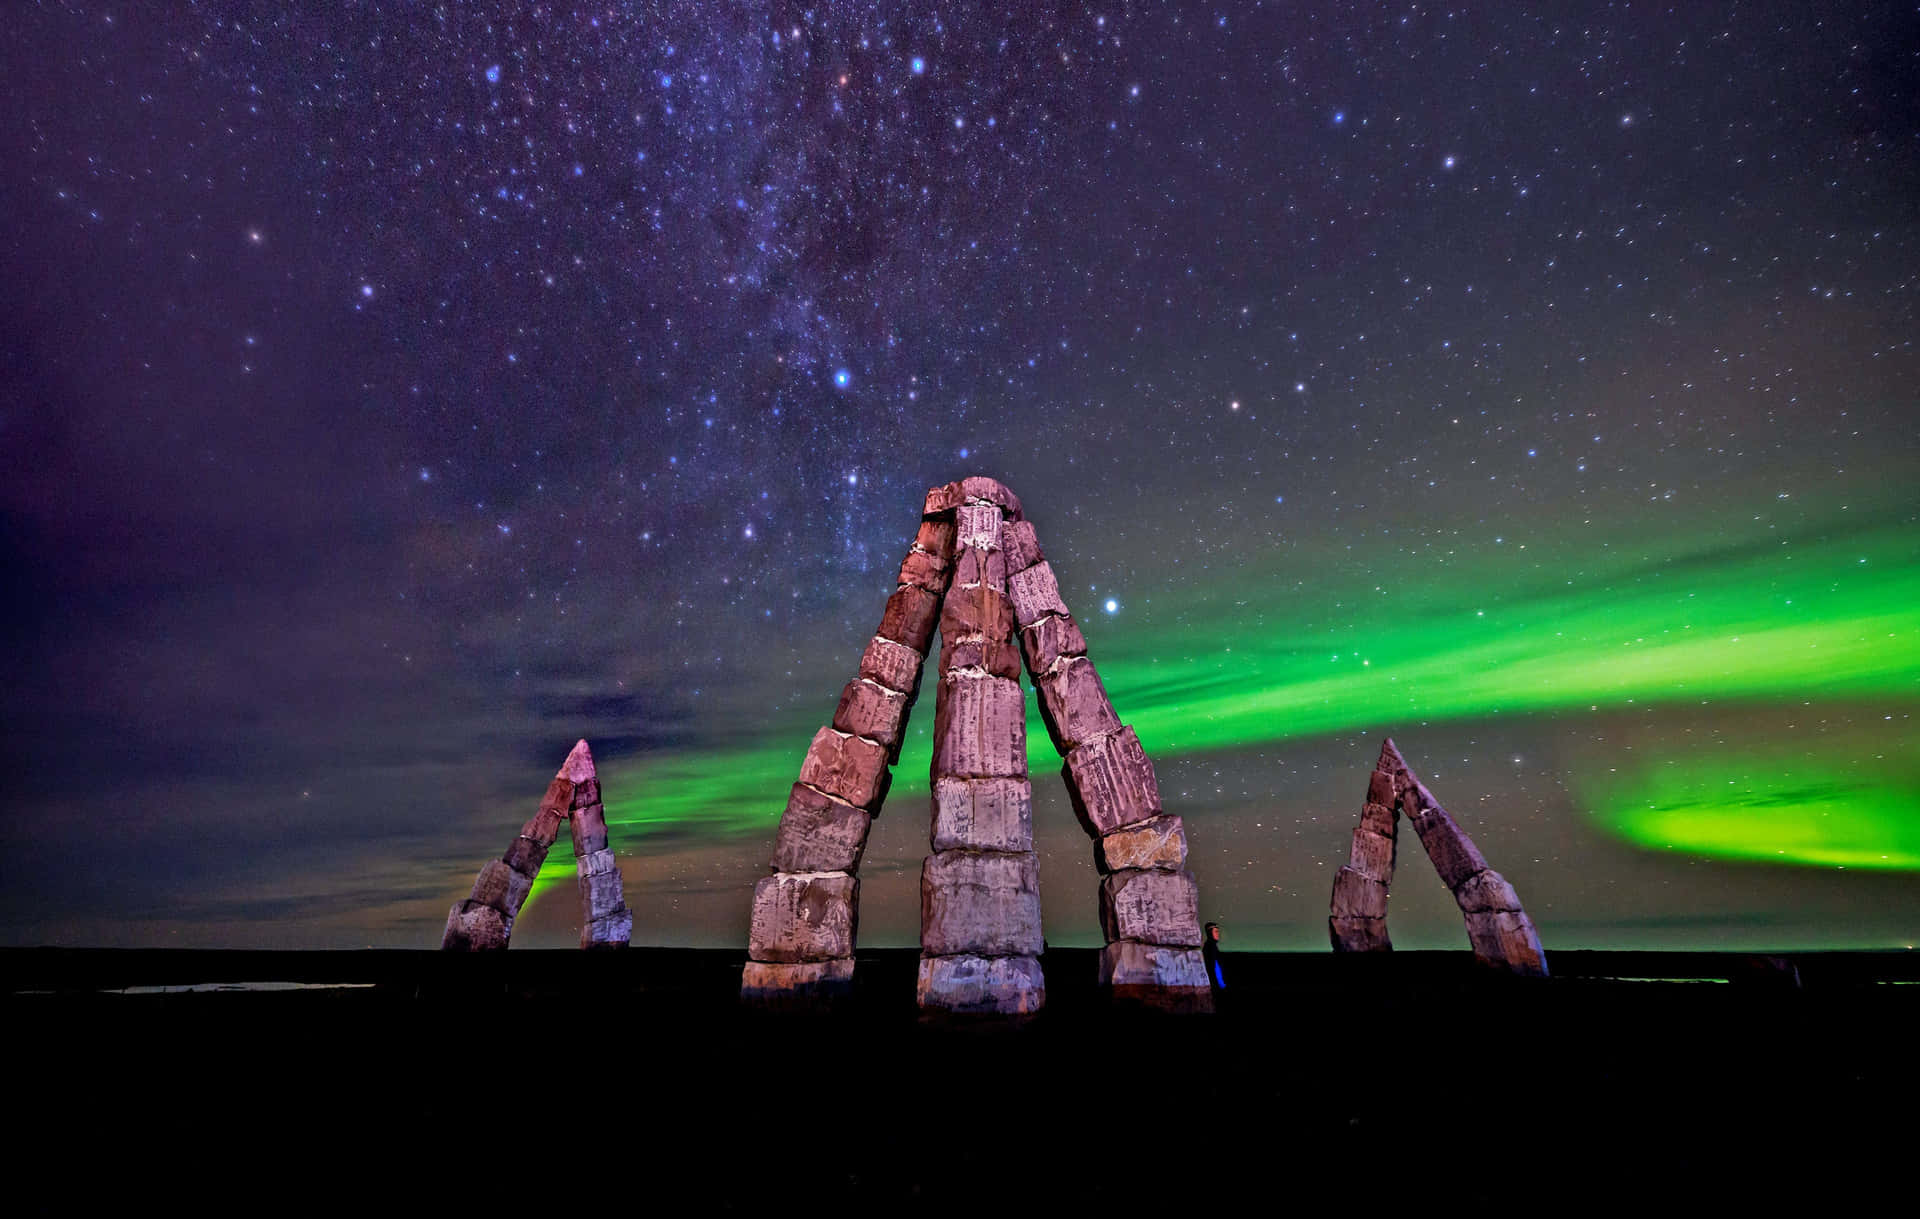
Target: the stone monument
pixel 485 919
pixel 976 569
pixel 1498 929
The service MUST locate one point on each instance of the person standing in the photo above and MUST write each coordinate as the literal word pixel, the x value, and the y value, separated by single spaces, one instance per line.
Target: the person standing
pixel 1210 952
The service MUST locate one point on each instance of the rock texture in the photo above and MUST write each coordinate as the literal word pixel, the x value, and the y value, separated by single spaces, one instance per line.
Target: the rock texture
pixel 980 888
pixel 1172 979
pixel 982 815
pixel 1497 927
pixel 484 920
pixel 980 903
pixel 981 986
pixel 801 934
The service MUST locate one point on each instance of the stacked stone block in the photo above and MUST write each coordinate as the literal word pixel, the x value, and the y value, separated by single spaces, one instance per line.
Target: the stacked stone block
pixel 980 937
pixel 484 920
pixel 806 913
pixel 1497 926
pixel 1149 902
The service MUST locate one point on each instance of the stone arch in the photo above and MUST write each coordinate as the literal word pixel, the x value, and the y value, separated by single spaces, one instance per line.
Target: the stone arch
pixel 485 919
pixel 1497 926
pixel 976 570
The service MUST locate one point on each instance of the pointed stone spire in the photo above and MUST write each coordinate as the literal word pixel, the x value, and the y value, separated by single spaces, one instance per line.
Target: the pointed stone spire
pixel 484 921
pixel 604 919
pixel 1498 929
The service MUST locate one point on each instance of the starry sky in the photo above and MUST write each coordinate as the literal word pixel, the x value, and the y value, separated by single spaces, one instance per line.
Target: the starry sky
pixel 392 394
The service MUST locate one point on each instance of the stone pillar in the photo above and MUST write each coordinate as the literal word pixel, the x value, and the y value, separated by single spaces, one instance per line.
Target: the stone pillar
pixel 1358 920
pixel 806 912
pixel 980 937
pixel 485 919
pixel 1149 902
pixel 604 919
pixel 1497 927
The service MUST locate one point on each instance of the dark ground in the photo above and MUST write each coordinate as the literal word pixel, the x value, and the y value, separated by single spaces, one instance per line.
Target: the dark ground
pixel 539 1079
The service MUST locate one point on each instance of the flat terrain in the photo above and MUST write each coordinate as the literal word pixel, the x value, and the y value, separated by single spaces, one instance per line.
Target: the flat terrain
pixel 1415 1077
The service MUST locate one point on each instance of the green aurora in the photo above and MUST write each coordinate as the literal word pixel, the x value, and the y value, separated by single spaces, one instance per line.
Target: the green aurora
pixel 1829 613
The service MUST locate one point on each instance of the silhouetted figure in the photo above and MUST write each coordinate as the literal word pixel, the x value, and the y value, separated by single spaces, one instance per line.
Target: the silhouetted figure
pixel 1210 950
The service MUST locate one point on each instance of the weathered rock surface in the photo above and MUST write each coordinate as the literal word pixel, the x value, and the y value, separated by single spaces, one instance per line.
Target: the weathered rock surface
pixel 1506 938
pixel 923 570
pixel 980 903
pixel 544 828
pixel 1022 546
pixel 1453 854
pixel 910 617
pixel 936 538
pixel 1047 640
pixel 979 727
pixel 1035 594
pixel 982 814
pixel 1484 892
pixel 1158 842
pixel 610 931
pixel 999 658
pixel 869 709
pixel 846 766
pixel 943 499
pixel 977 527
pixel 1382 790
pixel 1130 963
pixel 1151 906
pixel 1073 703
pixel 1359 934
pixel 1357 895
pixel 992 490
pixel 952 495
pixel 973 985
pixel 473 927
pixel 1380 819
pixel 765 984
pixel 589 825
pixel 490 887
pixel 803 916
pixel 976 612
pixel 893 665
pixel 988 567
pixel 1111 782
pixel 526 855
pixel 819 833
pixel 1372 855
pixel 600 889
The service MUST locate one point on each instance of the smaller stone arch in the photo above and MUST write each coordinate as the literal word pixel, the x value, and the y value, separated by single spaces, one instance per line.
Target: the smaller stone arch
pixel 1498 928
pixel 484 920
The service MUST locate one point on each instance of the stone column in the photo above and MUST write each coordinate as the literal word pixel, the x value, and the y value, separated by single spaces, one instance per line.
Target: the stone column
pixel 485 919
pixel 806 913
pixel 980 936
pixel 1149 902
pixel 1358 919
pixel 604 919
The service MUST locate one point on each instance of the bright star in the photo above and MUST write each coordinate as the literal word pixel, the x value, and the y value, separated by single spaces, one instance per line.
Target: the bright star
pixel 918 65
pixel 493 74
pixel 1112 606
pixel 842 378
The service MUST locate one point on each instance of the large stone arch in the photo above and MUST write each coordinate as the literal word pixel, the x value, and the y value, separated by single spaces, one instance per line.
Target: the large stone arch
pixel 1497 927
pixel 976 570
pixel 485 919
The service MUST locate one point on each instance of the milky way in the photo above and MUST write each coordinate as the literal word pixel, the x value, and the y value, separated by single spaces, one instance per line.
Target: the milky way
pixel 397 393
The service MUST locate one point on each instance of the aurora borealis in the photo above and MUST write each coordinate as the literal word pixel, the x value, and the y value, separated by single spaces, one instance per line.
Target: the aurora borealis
pixel 395 395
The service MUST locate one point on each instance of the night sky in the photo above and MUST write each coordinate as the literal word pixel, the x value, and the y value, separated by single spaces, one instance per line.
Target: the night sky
pixel 392 394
